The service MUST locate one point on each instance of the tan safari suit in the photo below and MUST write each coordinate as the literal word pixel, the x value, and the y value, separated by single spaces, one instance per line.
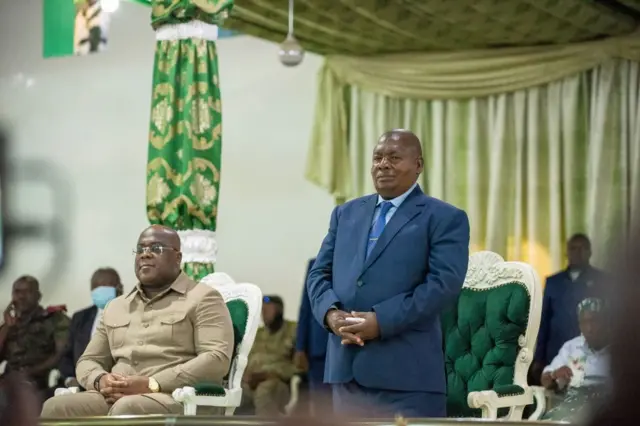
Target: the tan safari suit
pixel 180 337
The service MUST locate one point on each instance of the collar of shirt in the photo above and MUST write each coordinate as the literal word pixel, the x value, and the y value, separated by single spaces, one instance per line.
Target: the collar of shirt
pixel 578 273
pixel 399 199
pixel 179 285
pixel 588 350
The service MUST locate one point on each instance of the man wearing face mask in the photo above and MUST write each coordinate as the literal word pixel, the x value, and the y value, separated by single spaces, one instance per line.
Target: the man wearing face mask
pixel 105 286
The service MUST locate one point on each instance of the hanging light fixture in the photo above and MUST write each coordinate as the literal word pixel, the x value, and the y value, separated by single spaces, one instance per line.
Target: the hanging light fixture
pixel 291 53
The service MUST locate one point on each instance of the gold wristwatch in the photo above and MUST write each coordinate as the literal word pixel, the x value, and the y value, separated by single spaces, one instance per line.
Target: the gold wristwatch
pixel 154 387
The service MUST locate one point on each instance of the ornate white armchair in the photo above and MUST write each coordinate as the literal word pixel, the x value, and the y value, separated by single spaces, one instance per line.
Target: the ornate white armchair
pixel 490 338
pixel 245 305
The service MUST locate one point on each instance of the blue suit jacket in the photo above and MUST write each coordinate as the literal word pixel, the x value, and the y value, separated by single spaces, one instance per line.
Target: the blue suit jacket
pixel 414 272
pixel 312 337
pixel 559 322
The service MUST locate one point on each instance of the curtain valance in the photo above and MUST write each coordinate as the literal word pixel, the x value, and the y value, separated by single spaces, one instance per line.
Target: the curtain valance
pixel 421 77
pixel 467 74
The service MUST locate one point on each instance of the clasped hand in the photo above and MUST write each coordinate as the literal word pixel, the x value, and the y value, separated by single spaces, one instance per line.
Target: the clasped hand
pixel 115 386
pixel 353 333
pixel 563 373
pixel 10 320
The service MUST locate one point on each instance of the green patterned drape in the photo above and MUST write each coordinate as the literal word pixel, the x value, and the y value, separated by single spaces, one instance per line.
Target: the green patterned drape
pixel 185 136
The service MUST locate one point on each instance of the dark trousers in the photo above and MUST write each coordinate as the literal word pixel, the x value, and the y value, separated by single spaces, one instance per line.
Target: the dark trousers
pixel 351 399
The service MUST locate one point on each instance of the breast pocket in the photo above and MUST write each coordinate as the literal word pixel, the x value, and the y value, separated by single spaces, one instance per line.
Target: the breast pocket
pixel 116 331
pixel 176 329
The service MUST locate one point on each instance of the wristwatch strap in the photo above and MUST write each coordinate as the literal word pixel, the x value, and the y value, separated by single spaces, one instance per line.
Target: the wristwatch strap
pixel 96 382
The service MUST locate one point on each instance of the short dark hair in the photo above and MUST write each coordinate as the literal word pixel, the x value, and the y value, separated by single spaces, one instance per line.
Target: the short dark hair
pixel 112 273
pixel 581 237
pixel 275 299
pixel 29 279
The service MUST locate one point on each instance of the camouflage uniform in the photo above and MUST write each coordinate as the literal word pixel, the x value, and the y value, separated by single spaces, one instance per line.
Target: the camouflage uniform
pixel 33 340
pixel 271 353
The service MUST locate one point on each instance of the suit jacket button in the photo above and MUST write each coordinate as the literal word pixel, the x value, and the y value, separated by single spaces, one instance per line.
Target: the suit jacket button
pixel 360 283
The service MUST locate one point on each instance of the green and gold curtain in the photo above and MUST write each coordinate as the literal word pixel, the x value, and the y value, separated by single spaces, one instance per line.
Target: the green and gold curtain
pixel 185 134
pixel 534 143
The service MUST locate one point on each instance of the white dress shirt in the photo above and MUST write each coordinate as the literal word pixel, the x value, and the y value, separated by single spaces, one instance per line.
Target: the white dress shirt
pixel 589 367
pixel 96 321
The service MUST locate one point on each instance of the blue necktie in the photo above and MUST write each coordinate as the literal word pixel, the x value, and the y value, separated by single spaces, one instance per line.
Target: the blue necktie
pixel 378 225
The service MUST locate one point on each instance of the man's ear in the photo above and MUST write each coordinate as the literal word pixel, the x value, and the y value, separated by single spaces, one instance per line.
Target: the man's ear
pixel 179 258
pixel 39 296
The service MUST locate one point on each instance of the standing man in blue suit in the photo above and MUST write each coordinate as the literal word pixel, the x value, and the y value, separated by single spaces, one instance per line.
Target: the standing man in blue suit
pixel 389 265
pixel 311 347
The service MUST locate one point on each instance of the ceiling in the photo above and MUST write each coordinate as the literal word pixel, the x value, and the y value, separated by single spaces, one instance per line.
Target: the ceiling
pixel 367 27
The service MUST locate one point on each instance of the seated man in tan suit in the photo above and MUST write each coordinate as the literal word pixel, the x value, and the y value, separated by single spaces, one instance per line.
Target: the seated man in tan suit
pixel 167 333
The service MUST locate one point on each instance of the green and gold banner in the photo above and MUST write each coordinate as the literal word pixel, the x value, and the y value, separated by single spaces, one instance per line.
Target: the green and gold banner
pixel 185 137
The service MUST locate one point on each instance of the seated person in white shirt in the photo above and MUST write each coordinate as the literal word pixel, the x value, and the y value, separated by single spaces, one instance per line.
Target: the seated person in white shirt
pixel 105 286
pixel 581 367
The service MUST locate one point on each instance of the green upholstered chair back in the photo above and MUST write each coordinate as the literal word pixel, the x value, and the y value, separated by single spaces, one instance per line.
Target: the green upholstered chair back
pixel 239 311
pixel 244 301
pixel 489 335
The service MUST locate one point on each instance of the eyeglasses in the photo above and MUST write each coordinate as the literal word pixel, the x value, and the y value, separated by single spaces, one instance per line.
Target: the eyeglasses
pixel 153 248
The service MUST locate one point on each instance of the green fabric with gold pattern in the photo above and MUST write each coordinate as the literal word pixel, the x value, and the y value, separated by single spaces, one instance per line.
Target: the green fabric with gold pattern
pixel 185 140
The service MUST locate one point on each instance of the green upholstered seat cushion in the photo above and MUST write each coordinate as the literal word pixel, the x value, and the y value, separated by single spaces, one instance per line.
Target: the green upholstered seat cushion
pixel 481 343
pixel 239 312
pixel 209 389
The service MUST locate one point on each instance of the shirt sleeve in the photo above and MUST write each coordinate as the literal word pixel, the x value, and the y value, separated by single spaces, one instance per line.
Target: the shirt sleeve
pixel 214 347
pixel 96 358
pixel 61 328
pixel 561 359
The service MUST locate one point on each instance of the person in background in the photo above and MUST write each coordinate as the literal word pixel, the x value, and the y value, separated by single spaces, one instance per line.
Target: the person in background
pixel 389 265
pixel 32 338
pixel 311 349
pixel 166 333
pixel 581 367
pixel 265 387
pixel 105 286
pixel 562 293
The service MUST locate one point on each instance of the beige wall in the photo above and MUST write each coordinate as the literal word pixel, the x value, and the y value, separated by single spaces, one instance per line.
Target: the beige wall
pixel 86 118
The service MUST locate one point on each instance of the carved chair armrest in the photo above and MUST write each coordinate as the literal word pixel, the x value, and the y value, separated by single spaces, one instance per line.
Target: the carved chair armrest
pixel 514 397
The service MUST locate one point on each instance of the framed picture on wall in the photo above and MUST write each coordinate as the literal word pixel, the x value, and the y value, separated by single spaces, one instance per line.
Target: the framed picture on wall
pixel 76 27
pixel 91 27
